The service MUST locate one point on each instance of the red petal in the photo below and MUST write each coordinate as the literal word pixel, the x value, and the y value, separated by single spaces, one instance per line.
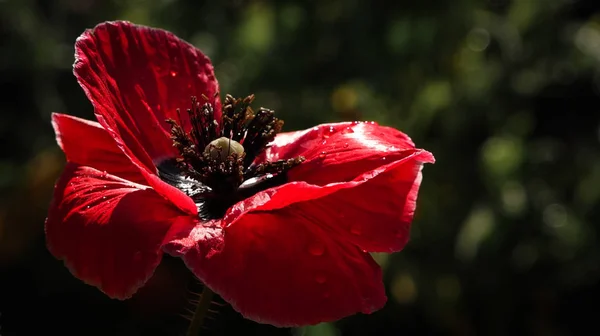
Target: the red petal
pixel 105 153
pixel 284 269
pixel 373 210
pixel 98 150
pixel 375 215
pixel 107 230
pixel 137 77
pixel 340 152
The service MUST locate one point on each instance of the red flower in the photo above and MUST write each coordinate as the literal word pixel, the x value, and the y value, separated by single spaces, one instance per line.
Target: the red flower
pixel 282 232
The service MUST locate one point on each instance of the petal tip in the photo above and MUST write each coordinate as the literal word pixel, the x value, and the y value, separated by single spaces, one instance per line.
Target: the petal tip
pixel 55 120
pixel 426 157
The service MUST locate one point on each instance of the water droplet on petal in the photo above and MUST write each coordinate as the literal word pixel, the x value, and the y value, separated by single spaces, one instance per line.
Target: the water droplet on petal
pixel 316 249
pixel 383 158
pixel 322 155
pixel 320 278
pixel 355 229
pixel 87 206
pixel 346 145
pixel 348 130
pixel 324 142
pixel 173 73
pixel 103 174
pixel 103 197
pixel 331 129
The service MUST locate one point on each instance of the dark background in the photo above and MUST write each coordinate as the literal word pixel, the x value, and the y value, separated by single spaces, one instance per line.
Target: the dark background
pixel 504 93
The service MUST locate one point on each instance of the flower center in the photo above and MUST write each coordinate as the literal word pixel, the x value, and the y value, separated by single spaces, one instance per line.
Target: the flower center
pixel 222 148
pixel 217 164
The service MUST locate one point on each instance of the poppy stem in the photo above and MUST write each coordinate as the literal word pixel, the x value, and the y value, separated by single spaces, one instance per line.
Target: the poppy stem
pixel 201 310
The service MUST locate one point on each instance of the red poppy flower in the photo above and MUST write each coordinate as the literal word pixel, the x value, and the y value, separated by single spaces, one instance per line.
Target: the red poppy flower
pixel 279 224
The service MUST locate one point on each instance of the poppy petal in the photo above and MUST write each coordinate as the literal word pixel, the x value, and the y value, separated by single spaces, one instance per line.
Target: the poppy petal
pixel 284 269
pixel 137 77
pixel 374 210
pixel 105 153
pixel 98 150
pixel 339 152
pixel 169 192
pixel 107 230
pixel 375 215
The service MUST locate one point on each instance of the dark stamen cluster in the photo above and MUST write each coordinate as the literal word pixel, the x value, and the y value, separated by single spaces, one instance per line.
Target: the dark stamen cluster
pixel 194 161
pixel 254 130
pixel 203 161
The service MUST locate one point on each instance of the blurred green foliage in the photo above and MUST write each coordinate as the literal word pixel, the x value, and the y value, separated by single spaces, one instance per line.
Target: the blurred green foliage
pixel 504 93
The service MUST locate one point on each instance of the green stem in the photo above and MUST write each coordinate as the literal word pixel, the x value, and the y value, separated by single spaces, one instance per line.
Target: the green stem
pixel 201 309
